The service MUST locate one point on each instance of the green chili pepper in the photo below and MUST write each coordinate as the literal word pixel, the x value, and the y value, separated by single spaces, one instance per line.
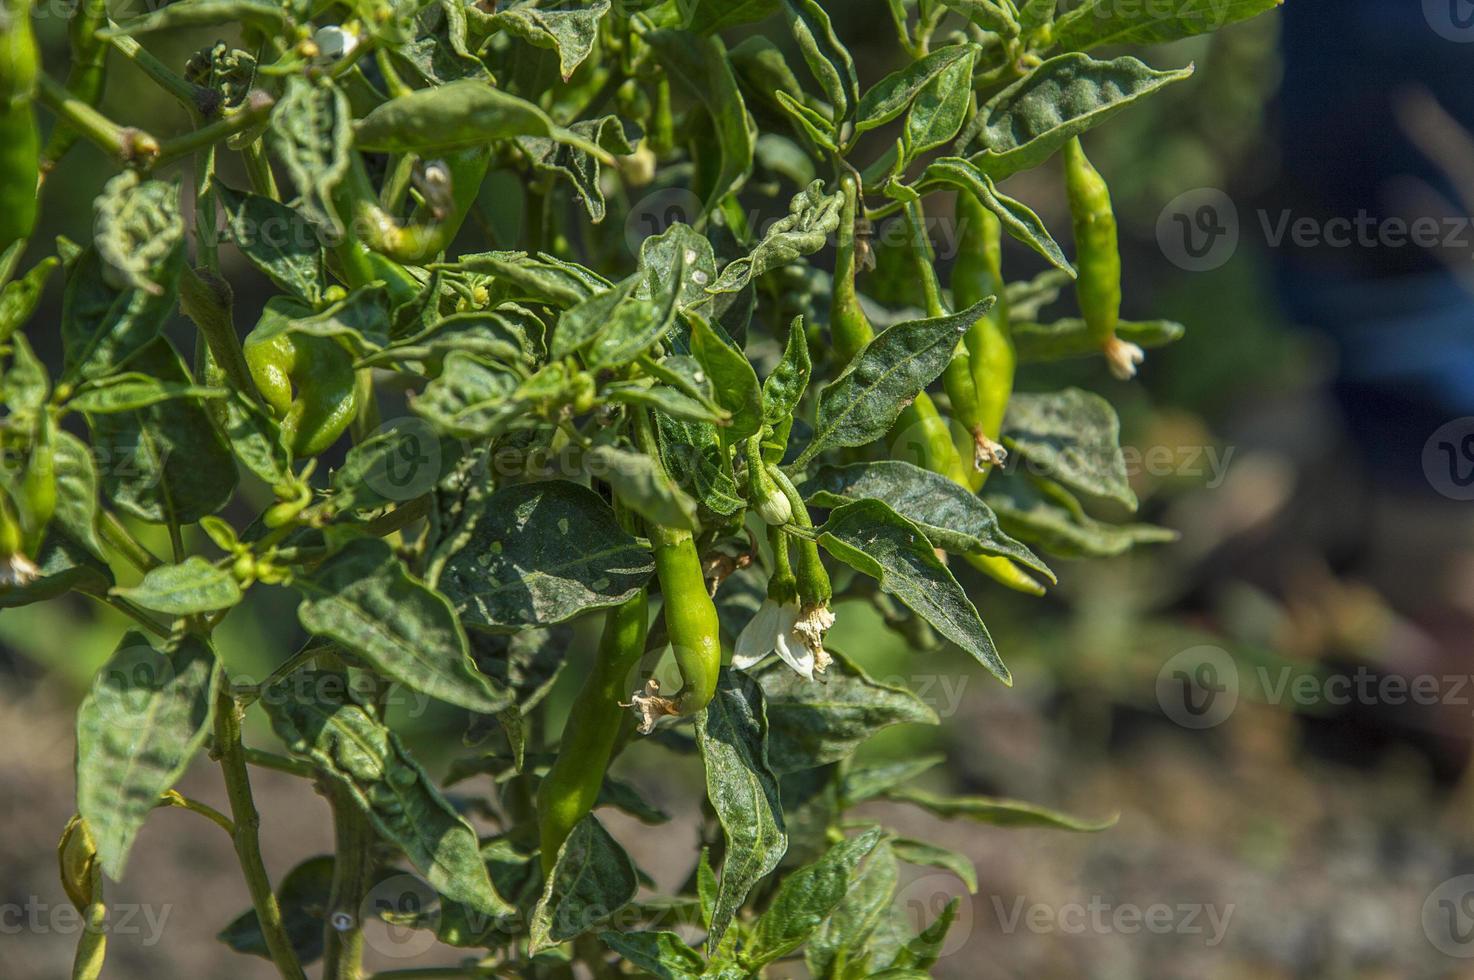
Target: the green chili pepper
pixel 450 187
pixel 38 488
pixel 310 384
pixel 849 328
pixel 86 75
pixel 570 788
pixel 1098 257
pixel 20 140
pixel 976 275
pixel 692 625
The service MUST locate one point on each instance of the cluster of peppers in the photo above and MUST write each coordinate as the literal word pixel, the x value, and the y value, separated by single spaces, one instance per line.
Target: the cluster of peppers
pixel 313 387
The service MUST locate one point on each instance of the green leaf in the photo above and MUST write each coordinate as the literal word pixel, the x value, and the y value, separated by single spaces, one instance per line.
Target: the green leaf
pixel 991 15
pixel 131 391
pixel 810 121
pixel 103 327
pixel 304 896
pixel 166 463
pixel 940 108
pixel 707 17
pixel 349 746
pixel 693 455
pixel 524 278
pixel 1025 124
pixel 931 856
pixel 1074 437
pixel 76 489
pixel 842 937
pixel 541 553
pixel 269 18
pixel 277 240
pixel 890 96
pixel 828 60
pixel 807 897
pixel 147 714
pixel 1017 219
pixel 1035 342
pixel 194 586
pixel 951 516
pixel 663 955
pixel 255 438
pixel 137 225
pixel 19 297
pixel 391 467
pixel 921 952
pixel 998 812
pixel 458 116
pixel 1049 518
pixel 860 783
pixel 783 390
pixel 642 484
pixel 364 598
pixel 571 33
pixel 813 725
pixel 472 398
pixel 732 377
pixel 812 217
pixel 863 403
pixel 311 126
pixel 871 538
pixel 1097 22
pixel 731 733
pixel 698 66
pixel 592 879
pixel 64 565
pixel 637 324
pixel 1034 15
pixel 576 165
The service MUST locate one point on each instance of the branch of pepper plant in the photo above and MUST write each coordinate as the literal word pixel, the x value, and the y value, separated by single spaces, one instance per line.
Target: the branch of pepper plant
pixel 127 144
pixel 246 836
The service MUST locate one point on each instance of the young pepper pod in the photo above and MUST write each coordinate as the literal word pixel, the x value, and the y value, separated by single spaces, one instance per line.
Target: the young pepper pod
pixel 976 275
pixel 20 140
pixel 1098 258
pixel 569 790
pixel 691 623
pixel 86 75
pixel 308 382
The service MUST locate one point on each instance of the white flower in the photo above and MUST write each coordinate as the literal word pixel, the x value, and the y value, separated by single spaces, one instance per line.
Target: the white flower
pixel 18 570
pixel 1123 358
pixel 812 625
pixel 774 629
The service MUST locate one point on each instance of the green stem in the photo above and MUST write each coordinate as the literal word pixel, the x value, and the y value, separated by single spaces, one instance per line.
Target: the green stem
pixel 343 930
pixel 176 799
pixel 228 716
pixel 116 534
pixel 258 170
pixel 192 96
pixel 277 763
pixel 814 588
pixel 134 613
pixel 257 108
pixel 125 143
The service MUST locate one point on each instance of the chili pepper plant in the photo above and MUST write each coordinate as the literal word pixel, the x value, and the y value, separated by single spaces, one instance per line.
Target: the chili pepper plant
pixel 578 313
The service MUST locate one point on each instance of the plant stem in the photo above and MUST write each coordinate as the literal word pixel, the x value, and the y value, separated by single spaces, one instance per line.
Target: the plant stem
pixel 278 763
pixel 258 169
pixel 117 535
pixel 125 143
pixel 247 833
pixel 134 613
pixel 258 107
pixel 192 96
pixel 343 929
pixel 176 799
